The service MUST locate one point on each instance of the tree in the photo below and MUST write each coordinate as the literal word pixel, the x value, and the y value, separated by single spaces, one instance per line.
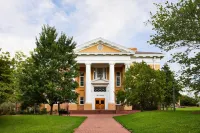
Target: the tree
pixel 5 76
pixel 188 101
pixel 176 26
pixel 29 85
pixel 171 83
pixel 18 62
pixel 48 75
pixel 144 86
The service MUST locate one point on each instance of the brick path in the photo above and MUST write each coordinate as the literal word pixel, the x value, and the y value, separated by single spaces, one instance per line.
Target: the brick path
pixel 101 123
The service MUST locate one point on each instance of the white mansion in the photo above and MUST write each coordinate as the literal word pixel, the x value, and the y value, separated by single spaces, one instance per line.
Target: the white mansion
pixel 102 66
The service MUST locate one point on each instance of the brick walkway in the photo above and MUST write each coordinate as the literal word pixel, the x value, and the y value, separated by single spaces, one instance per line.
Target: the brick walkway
pixel 101 123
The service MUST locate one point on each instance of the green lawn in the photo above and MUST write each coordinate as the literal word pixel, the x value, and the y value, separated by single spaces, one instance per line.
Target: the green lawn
pixel 189 109
pixel 181 121
pixel 39 124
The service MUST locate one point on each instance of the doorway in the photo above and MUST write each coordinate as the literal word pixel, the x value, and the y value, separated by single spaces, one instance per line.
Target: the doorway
pixel 100 103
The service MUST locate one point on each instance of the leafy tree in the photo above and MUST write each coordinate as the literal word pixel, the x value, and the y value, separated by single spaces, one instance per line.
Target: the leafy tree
pixel 18 60
pixel 171 83
pixel 144 86
pixel 29 84
pixel 187 101
pixel 48 74
pixel 176 26
pixel 5 76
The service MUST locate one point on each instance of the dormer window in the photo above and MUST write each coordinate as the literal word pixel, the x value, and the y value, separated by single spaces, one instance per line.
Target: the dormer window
pixel 100 73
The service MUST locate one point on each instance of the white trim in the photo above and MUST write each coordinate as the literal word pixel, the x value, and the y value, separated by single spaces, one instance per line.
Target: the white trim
pixel 116 78
pixel 149 55
pixel 104 53
pixel 109 43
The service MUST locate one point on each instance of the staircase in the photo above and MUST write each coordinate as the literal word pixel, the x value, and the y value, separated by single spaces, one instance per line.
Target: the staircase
pixel 103 111
pixel 93 111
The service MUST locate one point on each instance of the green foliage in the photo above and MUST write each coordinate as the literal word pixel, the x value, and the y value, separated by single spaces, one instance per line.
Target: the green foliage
pixel 171 83
pixel 144 86
pixel 162 121
pixel 121 96
pixel 6 69
pixel 18 62
pixel 43 111
pixel 188 101
pixel 7 108
pixel 47 76
pixel 39 124
pixel 176 26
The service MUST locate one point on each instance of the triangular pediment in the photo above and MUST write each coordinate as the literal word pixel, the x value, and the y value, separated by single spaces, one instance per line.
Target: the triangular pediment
pixel 100 82
pixel 101 45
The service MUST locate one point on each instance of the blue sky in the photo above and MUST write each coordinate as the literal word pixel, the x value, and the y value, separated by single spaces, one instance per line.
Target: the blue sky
pixel 120 21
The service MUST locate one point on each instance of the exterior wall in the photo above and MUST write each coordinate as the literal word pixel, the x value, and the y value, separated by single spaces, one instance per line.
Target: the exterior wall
pixel 72 106
pixel 157 66
pixel 105 49
pixel 154 63
pixel 80 90
pixel 118 69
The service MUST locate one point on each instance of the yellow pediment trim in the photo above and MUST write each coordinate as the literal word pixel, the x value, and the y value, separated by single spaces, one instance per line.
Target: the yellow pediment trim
pixel 100 49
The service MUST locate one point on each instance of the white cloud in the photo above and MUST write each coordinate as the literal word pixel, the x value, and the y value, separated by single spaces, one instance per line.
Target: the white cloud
pixel 116 20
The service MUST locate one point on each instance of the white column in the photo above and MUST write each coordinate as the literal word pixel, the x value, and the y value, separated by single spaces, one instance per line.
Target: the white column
pixel 127 65
pixel 88 83
pixel 112 82
pixel 154 59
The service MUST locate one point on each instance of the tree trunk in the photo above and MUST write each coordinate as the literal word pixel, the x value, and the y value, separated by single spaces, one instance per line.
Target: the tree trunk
pixel 141 108
pixel 51 111
pixel 58 106
pixel 34 108
pixel 163 106
pixel 16 109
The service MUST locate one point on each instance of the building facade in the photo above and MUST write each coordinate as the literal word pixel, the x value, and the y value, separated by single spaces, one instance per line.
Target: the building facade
pixel 102 66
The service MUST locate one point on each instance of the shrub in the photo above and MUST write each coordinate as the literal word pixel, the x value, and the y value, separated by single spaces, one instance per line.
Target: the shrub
pixel 6 108
pixel 43 111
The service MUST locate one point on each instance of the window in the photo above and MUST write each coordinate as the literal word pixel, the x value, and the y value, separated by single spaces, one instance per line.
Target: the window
pixel 97 101
pixel 81 82
pixel 81 100
pixel 99 89
pixel 99 73
pixel 118 79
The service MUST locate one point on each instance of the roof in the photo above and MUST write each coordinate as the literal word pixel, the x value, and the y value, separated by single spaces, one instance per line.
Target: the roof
pixel 123 50
pixel 107 42
pixel 140 52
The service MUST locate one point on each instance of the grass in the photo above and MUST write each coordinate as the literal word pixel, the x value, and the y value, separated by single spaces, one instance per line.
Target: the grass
pixel 189 109
pixel 39 124
pixel 181 121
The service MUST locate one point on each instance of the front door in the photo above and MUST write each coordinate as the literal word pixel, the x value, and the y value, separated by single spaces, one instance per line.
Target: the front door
pixel 99 103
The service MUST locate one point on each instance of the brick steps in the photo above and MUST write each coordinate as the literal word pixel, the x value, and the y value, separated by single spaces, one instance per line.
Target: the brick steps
pixel 92 111
pixel 103 111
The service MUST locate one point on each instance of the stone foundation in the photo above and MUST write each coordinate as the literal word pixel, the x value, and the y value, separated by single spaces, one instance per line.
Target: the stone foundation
pixel 87 106
pixel 111 106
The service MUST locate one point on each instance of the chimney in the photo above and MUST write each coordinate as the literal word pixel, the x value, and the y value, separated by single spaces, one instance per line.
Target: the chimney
pixel 134 49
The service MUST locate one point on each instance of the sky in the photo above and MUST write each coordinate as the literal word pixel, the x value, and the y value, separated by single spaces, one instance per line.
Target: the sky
pixel 119 21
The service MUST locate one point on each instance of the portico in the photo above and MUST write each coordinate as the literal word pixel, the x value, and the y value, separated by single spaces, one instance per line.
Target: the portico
pixel 100 87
